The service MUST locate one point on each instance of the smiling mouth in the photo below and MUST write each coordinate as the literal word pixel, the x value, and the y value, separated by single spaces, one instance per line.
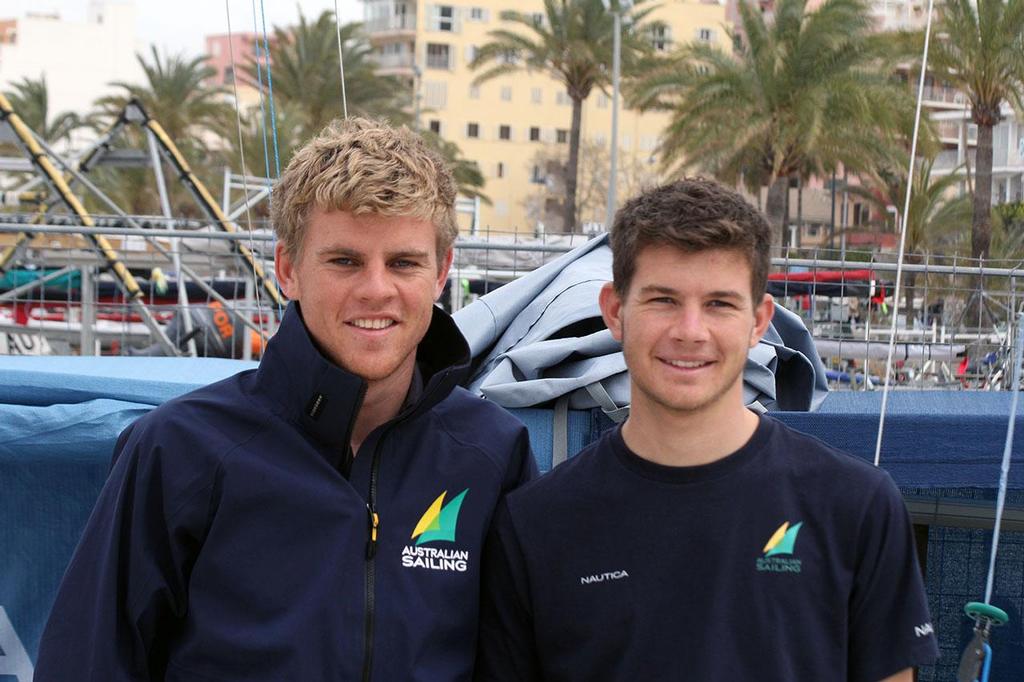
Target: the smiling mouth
pixel 373 323
pixel 687 364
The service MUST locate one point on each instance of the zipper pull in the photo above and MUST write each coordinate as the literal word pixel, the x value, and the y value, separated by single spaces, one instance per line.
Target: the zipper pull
pixel 373 522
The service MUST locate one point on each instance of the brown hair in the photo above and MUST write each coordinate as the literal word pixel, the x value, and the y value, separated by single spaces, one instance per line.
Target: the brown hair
pixel 365 167
pixel 692 214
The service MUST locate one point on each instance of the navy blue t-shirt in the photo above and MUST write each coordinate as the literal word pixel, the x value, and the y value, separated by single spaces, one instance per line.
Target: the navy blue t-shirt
pixel 786 560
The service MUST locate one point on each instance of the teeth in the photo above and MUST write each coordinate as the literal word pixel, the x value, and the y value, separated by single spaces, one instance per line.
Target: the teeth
pixel 685 364
pixel 373 323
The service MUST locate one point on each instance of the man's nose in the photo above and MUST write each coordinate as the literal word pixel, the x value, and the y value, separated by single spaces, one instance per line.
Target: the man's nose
pixel 690 324
pixel 375 282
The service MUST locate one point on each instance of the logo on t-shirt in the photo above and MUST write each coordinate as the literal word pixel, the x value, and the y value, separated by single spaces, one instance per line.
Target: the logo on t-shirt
pixel 438 524
pixel 778 552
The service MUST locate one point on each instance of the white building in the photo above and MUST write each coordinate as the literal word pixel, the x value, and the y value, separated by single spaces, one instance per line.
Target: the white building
pixel 78 58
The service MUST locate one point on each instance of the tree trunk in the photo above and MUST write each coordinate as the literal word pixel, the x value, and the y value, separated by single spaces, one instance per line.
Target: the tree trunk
pixel 775 208
pixel 572 169
pixel 981 225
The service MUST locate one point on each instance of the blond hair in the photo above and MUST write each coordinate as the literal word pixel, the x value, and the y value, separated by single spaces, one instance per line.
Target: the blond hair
pixel 365 167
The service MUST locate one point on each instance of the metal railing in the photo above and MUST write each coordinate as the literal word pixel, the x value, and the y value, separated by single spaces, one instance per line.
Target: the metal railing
pixel 58 297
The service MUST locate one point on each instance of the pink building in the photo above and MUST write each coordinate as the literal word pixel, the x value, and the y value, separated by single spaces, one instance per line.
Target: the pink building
pixel 219 49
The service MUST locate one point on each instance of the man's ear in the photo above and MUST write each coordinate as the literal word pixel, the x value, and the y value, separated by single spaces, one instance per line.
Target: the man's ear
pixel 611 310
pixel 442 275
pixel 763 313
pixel 284 267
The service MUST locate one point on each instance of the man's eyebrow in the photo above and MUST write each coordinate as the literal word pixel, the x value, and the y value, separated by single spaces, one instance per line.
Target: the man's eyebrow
pixel 658 289
pixel 669 291
pixel 338 251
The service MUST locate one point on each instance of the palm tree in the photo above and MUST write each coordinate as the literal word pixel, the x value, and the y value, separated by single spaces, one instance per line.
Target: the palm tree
pixel 30 98
pixel 306 77
pixel 573 45
pixel 981 51
pixel 192 113
pixel 175 93
pixel 803 94
pixel 936 220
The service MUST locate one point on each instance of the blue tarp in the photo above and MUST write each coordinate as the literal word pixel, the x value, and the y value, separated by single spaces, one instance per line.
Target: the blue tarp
pixel 59 418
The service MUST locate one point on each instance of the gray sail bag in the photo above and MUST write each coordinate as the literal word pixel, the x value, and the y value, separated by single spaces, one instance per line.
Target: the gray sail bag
pixel 541 340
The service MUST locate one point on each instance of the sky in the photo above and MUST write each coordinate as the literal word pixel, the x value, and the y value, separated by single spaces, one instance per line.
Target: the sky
pixel 179 25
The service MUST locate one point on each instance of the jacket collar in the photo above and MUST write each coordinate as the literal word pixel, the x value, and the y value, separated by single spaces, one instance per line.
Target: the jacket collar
pixel 324 399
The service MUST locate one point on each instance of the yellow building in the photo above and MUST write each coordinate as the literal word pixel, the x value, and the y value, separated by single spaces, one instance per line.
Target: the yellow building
pixel 517 127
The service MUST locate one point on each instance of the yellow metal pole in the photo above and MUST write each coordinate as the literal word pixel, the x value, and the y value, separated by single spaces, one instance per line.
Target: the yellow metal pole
pixel 213 210
pixel 56 179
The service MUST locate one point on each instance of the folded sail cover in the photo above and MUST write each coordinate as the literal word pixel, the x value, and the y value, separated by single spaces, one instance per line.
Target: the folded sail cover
pixel 541 338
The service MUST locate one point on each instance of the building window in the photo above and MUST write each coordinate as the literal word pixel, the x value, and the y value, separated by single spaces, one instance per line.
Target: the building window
pixel 509 57
pixel 536 175
pixel 506 94
pixel 705 34
pixel 215 49
pixel 562 136
pixel 536 95
pixel 602 101
pixel 504 132
pixel 563 99
pixel 537 18
pixel 229 75
pixel 439 56
pixel 474 92
pixel 477 14
pixel 471 51
pixel 499 170
pixel 435 126
pixel 435 94
pixel 443 18
pixel 661 38
pixel 534 134
pixel 473 130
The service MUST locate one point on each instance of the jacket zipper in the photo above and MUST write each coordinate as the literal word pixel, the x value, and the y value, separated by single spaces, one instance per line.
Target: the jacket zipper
pixel 373 526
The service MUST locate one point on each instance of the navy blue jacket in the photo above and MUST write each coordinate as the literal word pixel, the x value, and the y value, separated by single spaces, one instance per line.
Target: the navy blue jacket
pixel 234 538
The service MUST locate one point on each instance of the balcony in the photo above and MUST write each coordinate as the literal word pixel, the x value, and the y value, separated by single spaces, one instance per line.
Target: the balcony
pixel 389 19
pixel 937 94
pixel 394 64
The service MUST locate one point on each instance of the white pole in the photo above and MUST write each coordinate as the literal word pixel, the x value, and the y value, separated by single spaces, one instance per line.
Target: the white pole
pixel 613 165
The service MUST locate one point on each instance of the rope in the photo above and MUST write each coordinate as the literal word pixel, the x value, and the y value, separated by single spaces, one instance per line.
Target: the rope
pixel 259 89
pixel 245 174
pixel 341 61
pixel 1018 351
pixel 270 89
pixel 903 237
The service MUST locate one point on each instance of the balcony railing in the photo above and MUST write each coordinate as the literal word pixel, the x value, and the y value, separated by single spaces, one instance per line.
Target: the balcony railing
pixel 401 22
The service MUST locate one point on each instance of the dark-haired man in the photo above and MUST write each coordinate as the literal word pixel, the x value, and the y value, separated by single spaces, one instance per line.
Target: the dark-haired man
pixel 700 541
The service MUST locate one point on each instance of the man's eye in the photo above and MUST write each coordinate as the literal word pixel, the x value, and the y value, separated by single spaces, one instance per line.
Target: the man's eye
pixel 663 300
pixel 342 261
pixel 721 304
pixel 404 264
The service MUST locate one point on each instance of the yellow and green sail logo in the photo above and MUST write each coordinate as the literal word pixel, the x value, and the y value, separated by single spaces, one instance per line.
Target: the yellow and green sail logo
pixel 440 520
pixel 783 540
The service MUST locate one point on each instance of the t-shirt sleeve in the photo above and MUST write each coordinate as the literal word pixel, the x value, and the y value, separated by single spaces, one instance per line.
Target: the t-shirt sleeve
pixel 505 651
pixel 890 627
pixel 125 587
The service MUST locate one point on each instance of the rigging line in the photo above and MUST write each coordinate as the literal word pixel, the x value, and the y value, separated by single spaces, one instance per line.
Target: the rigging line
pixel 1004 472
pixel 903 238
pixel 245 174
pixel 263 107
pixel 341 61
pixel 263 118
pixel 270 89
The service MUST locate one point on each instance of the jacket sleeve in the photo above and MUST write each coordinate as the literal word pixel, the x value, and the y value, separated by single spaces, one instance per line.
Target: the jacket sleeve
pixel 522 466
pixel 505 646
pixel 125 589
